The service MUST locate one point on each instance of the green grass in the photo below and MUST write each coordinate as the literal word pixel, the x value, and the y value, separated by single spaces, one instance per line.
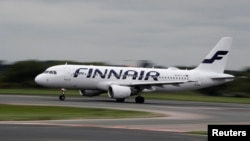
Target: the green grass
pixel 23 112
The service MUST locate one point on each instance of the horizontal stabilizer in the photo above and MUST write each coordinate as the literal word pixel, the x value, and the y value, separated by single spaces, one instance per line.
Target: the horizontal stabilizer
pixel 223 76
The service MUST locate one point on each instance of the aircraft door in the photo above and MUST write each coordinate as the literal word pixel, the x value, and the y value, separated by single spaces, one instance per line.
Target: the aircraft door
pixel 67 73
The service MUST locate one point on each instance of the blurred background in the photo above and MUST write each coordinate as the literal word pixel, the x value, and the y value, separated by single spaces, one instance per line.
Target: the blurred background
pixel 161 33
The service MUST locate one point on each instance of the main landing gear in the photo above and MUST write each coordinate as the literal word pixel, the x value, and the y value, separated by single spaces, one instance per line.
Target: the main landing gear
pixel 139 99
pixel 120 99
pixel 62 95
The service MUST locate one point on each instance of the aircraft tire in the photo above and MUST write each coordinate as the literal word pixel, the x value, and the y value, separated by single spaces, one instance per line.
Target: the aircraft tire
pixel 139 99
pixel 62 97
pixel 120 99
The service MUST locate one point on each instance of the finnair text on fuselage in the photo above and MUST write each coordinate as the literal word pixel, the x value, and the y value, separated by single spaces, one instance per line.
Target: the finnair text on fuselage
pixel 118 74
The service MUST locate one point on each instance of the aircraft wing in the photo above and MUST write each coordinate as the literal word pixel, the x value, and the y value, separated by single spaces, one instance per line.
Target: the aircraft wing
pixel 105 85
pixel 155 83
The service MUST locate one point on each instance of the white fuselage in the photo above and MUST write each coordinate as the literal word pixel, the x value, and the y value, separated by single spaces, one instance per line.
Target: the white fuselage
pixel 101 77
pixel 122 82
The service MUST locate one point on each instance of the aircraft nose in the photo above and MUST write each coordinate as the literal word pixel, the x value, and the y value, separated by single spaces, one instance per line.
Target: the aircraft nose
pixel 40 79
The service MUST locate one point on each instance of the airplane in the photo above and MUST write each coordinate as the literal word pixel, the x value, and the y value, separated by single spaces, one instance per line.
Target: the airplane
pixel 123 82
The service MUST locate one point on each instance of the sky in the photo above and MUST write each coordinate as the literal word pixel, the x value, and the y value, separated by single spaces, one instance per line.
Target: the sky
pixel 166 32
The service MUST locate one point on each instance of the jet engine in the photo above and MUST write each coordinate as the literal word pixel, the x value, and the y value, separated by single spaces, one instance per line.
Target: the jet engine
pixel 89 93
pixel 119 92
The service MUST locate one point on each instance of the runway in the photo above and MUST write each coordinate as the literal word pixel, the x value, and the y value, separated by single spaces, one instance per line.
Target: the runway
pixel 180 116
pixel 64 133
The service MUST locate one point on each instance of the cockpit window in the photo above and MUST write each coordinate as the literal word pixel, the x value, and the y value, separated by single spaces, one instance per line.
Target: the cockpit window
pixel 50 72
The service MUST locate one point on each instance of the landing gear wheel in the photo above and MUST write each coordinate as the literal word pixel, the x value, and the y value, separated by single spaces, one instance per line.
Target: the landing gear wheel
pixel 62 97
pixel 120 99
pixel 139 99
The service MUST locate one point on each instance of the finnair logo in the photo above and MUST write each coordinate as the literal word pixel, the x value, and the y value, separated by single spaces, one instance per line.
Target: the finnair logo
pixel 217 56
pixel 117 74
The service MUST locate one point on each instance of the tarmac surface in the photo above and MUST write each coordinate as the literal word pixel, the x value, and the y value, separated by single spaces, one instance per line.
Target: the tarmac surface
pixel 181 117
pixel 66 133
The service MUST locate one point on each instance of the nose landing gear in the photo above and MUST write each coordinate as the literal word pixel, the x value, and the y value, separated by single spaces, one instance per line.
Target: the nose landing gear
pixel 62 95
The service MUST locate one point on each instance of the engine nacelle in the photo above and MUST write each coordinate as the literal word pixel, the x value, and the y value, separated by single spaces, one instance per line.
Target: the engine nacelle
pixel 89 93
pixel 116 91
